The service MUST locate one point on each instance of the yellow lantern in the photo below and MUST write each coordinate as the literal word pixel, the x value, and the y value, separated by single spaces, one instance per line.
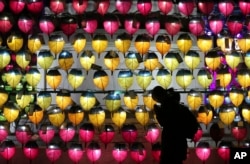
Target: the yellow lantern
pixel 101 79
pixel 123 42
pixel 204 78
pixel 246 113
pixel 163 44
pixel 194 100
pixel 205 115
pixel 113 101
pixel 204 43
pixel 192 59
pixel 132 60
pixel 35 115
pixel 35 43
pixel 216 99
pixel 56 116
pixel 224 77
pixel 148 101
pixel 142 116
pixel 23 99
pixel 244 43
pixel 212 60
pixel 225 43
pixel 33 77
pixel 227 114
pixel 99 43
pixel 233 59
pixel 65 60
pixel 44 99
pixel 236 96
pixel 151 61
pixel 142 43
pixel 87 58
pixel 78 43
pixel 87 100
pixel 111 60
pixel 130 100
pixel 184 78
pixel 184 43
pixel 125 79
pixel 243 77
pixel 45 59
pixel 164 78
pixel 3 97
pixel 56 44
pixel 15 42
pixel 13 77
pixel 53 78
pixel 4 58
pixel 172 60
pixel 144 78
pixel 75 78
pixel 63 99
pixel 119 117
pixel 97 116
pixel 75 115
pixel 23 58
pixel 247 59
pixel 11 111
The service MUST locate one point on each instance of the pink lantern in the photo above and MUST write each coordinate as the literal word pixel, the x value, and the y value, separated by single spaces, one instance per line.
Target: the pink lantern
pixel 89 24
pixel 226 7
pixel 197 136
pixel 216 133
pixel 244 6
pixel 107 135
pixel 35 6
pixel 46 133
pixel 53 152
pixel 239 133
pixel 86 132
pixel 152 25
pixel 25 24
pixel 205 6
pixel 186 7
pixel 47 24
pixel 123 6
pixel 224 150
pixel 144 6
pixel 215 24
pixel 4 132
pixel 57 6
pixel 152 133
pixel 196 26
pixel 31 150
pixel 23 134
pixel 75 152
pixel 165 6
pixel 67 132
pixel 203 151
pixel 2 5
pixel 16 6
pixel 138 152
pixel 131 25
pixel 6 22
pixel 234 25
pixel 129 133
pixel 80 6
pixel 94 152
pixel 68 24
pixel 111 24
pixel 156 151
pixel 8 150
pixel 120 152
pixel 103 6
pixel 172 25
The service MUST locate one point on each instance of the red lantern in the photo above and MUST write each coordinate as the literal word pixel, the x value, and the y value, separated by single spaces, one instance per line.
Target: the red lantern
pixel 152 133
pixel 2 5
pixel 103 6
pixel 6 22
pixel 120 152
pixel 165 6
pixel 53 152
pixel 196 26
pixel 4 132
pixel 16 6
pixel 31 150
pixel 67 132
pixel 94 152
pixel 215 24
pixel 47 24
pixel 131 25
pixel 156 151
pixel 35 6
pixel 205 6
pixel 172 25
pixel 203 151
pixel 89 24
pixel 46 133
pixel 224 150
pixel 244 6
pixel 216 133
pixel 226 7
pixel 239 133
pixel 186 7
pixel 152 25
pixel 234 25
pixel 107 135
pixel 23 134
pixel 75 152
pixel 68 25
pixel 197 136
pixel 80 6
pixel 138 152
pixel 123 6
pixel 8 150
pixel 25 24
pixel 86 132
pixel 111 24
pixel 57 6
pixel 129 133
pixel 144 6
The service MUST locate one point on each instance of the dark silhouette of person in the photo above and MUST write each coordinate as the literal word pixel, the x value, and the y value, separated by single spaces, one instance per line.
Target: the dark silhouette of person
pixel 169 115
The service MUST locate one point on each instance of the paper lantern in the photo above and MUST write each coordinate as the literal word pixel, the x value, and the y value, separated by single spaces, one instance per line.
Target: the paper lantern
pixel 216 98
pixel 45 59
pixel 172 25
pixel 94 151
pixel 2 5
pixel 203 151
pixel 119 152
pixel 213 60
pixel 227 114
pixel 216 132
pixel 225 43
pixel 197 136
pixel 196 26
pixel 75 115
pixel 148 101
pixel 56 44
pixel 152 25
pixel 184 78
pixel 53 152
pixel 4 58
pixel 245 112
pixel 63 99
pixel 165 6
pixel 164 78
pixel 125 79
pixel 119 117
pixel 4 132
pixel 57 6
pixel 107 134
pixel 6 22
pixel 132 60
pixel 244 43
pixel 34 43
pixel 87 100
pixel 78 43
pixel 66 132
pixel 23 58
pixel 156 151
pixel 47 24
pixel 86 132
pixel 16 6
pixel 205 115
pixel 3 97
pixel 23 99
pixel 224 77
pixel 204 78
pixel 131 24
pixel 215 23
pixel 224 150
pixel 234 24
pixel 162 44
pixel 123 6
pixel 123 42
pixel 44 99
pixel 194 100
pixel 97 116
pixel 172 60
pixel 35 6
pixel 11 111
pixel 186 7
pixel 89 24
pixel 65 60
pixel 103 6
pixel 75 78
pixel 36 115
pixel 15 42
pixel 100 79
pixel 130 100
pixel 111 61
pixel 46 133
pixel 25 24
pixel 204 43
pixel 23 134
pixel 236 96
pixel 129 133
pixel 33 77
pixel 244 7
pixel 205 7
pixel 192 59
pixel 87 58
pixel 13 77
pixel 142 116
pixel 151 61
pixel 243 77
pixel 80 7
pixel 75 152
pixel 113 101
pixel 53 78
pixel 99 43
pixel 239 131
pixel 111 24
pixel 144 6
pixel 184 43
pixel 8 150
pixel 142 43
pixel 144 78
pixel 138 152
pixel 226 7
pixel 152 133
pixel 56 116
pixel 68 24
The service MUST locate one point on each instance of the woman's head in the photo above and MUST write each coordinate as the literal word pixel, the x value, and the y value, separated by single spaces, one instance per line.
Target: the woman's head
pixel 161 95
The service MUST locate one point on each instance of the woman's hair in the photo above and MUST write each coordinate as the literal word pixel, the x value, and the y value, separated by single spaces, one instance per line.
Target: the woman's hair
pixel 159 94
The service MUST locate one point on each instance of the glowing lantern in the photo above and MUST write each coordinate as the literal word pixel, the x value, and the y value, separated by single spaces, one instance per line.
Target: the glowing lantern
pixel 103 6
pixel 4 132
pixel 192 59
pixel 33 77
pixel 44 99
pixel 156 151
pixel 79 6
pixel 111 60
pixel 184 43
pixel 87 100
pixel 216 99
pixel 215 24
pixel 97 116
pixel 204 43
pixel 75 152
pixel 148 101
pixel 47 24
pixel 23 58
pixel 8 150
pixel 6 22
pixel 53 152
pixel 4 58
pixel 204 78
pixel 75 78
pixel 239 131
pixel 144 78
pixel 123 42
pixel 2 5
pixel 165 6
pixel 172 60
pixel 56 44
pixel 99 43
pixel 75 115
pixel 23 99
pixel 66 132
pixel 130 100
pixel 111 24
pixel 3 97
pixel 119 152
pixel 101 79
pixel 225 43
pixel 53 78
pixel 113 101
pixel 36 115
pixel 224 77
pixel 131 25
pixel 234 24
pixel 123 6
pixel 119 117
pixel 16 6
pixel 144 6
pixel 78 43
pixel 244 7
pixel 15 42
pixel 89 24
pixel 87 58
pixel 94 152
pixel 227 114
pixel 125 79
pixel 34 43
pixel 68 24
pixel 129 133
pixel 172 25
pixel 35 6
pixel 57 6
pixel 244 43
pixel 162 44
pixel 184 78
pixel 23 134
pixel 31 150
pixel 142 116
pixel 45 59
pixel 63 99
pixel 236 96
pixel 86 132
pixel 107 135
pixel 226 7
pixel 152 133
pixel 152 25
pixel 196 26
pixel 65 60
pixel 194 99
pixel 205 115
pixel 56 116
pixel 243 77
pixel 245 112
pixel 131 60
pixel 203 151
pixel 164 78
pixel 197 136
pixel 13 77
pixel 216 132
pixel 206 7
pixel 186 7
pixel 138 152
pixel 151 62
pixel 25 24
pixel 46 133
pixel 213 60
pixel 224 150
pixel 142 43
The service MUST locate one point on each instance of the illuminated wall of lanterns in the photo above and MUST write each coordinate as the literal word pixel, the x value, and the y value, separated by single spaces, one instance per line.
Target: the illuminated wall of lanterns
pixel 61 62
